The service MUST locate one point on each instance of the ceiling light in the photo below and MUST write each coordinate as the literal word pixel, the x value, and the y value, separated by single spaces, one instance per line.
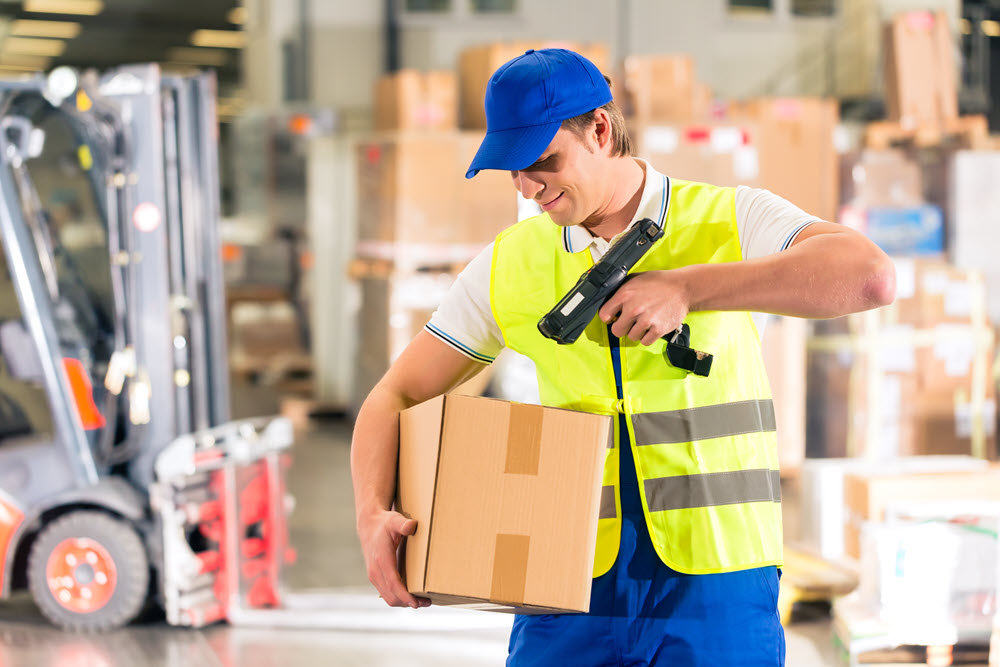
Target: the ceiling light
pixel 58 29
pixel 990 28
pixel 191 55
pixel 86 7
pixel 33 47
pixel 237 15
pixel 223 39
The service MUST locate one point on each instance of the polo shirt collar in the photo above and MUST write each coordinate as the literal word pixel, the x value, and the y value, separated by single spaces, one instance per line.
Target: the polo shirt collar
pixel 654 204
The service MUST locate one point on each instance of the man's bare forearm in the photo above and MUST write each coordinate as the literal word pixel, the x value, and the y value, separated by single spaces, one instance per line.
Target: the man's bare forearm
pixel 374 451
pixel 827 275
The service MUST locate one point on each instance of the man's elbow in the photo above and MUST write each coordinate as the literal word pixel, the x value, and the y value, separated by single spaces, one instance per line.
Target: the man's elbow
pixel 880 286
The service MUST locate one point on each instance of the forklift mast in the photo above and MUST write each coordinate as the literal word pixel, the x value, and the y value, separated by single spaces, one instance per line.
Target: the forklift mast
pixel 128 344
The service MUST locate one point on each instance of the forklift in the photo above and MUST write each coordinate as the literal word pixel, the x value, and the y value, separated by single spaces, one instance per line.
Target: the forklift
pixel 124 483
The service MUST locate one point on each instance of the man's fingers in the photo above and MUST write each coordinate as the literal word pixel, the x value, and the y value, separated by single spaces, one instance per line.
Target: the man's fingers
pixel 609 311
pixel 400 525
pixel 391 588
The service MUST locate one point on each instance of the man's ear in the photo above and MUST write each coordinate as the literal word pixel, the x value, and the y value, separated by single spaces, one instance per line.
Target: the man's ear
pixel 602 129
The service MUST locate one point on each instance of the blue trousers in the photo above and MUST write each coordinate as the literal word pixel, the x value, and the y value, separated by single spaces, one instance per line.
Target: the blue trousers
pixel 644 613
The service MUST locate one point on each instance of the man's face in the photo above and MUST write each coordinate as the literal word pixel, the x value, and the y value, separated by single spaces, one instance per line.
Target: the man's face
pixel 565 180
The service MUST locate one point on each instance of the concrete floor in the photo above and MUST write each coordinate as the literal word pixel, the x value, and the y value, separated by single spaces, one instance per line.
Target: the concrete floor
pixel 322 530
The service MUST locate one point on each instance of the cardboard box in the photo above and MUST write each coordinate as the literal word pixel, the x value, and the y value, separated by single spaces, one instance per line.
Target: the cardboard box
pixel 394 309
pixel 412 191
pixel 662 88
pixel 919 67
pixel 823 515
pixel 973 207
pixel 413 100
pixel 477 64
pixel 886 178
pixel 719 153
pixel 784 351
pixel 798 158
pixel 868 496
pixel 506 497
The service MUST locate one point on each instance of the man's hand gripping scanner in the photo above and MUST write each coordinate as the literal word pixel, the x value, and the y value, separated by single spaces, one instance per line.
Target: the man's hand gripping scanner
pixel 567 320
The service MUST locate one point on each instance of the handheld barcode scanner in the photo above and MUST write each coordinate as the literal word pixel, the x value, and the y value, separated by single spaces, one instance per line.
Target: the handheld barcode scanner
pixel 567 320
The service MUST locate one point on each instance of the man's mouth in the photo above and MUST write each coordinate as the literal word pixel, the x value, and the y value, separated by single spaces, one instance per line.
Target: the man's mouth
pixel 549 205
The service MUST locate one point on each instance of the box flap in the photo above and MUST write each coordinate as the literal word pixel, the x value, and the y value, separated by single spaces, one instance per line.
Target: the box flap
pixel 419 446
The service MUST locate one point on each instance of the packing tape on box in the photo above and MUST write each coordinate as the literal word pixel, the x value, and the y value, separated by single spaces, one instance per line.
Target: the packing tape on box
pixel 510 568
pixel 524 439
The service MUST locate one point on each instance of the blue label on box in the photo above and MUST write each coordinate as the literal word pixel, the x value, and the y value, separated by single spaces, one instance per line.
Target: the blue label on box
pixel 918 230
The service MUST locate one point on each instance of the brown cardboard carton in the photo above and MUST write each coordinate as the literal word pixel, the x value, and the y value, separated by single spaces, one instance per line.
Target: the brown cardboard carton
pixel 413 100
pixel 868 496
pixel 488 202
pixel 720 153
pixel 798 158
pixel 951 422
pixel 662 88
pixel 412 191
pixel 886 178
pixel 408 188
pixel 784 351
pixel 394 309
pixel 919 65
pixel 506 497
pixel 477 64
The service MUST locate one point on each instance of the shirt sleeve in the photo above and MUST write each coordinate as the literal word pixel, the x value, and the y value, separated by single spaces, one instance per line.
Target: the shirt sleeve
pixel 767 223
pixel 464 319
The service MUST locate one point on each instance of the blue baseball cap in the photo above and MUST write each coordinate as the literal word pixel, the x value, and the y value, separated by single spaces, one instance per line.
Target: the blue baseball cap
pixel 527 100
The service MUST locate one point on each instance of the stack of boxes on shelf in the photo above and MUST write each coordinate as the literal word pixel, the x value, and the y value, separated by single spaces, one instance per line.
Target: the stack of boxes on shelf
pixel 921 84
pixel 419 220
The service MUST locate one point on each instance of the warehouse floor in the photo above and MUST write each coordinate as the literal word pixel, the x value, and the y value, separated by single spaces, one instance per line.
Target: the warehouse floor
pixel 328 556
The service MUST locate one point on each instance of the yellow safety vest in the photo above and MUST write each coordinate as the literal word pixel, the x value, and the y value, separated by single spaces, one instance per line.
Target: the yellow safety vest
pixel 704 448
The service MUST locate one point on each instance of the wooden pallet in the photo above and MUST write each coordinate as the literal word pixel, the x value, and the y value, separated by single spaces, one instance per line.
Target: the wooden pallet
pixel 930 656
pixel 364 267
pixel 288 368
pixel 807 577
pixel 864 638
pixel 961 132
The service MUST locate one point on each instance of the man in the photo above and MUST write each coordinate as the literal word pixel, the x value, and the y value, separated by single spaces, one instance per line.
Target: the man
pixel 689 538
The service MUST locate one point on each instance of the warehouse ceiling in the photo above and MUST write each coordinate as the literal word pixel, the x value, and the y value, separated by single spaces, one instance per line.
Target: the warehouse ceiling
pixel 42 34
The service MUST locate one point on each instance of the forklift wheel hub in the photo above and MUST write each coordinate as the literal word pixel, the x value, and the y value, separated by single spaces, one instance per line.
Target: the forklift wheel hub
pixel 81 574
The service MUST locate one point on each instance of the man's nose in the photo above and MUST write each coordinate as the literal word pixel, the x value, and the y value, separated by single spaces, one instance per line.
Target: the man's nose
pixel 527 186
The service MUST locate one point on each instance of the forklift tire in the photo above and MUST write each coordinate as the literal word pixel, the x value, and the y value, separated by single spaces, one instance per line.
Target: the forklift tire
pixel 88 572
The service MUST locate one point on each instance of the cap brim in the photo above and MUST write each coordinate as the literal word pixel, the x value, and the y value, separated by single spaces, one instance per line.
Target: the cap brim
pixel 513 149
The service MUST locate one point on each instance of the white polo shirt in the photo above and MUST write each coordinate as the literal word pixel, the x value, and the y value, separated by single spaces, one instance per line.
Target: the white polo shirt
pixel 765 222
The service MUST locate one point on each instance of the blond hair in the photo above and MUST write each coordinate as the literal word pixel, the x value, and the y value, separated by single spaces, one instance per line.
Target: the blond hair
pixel 621 142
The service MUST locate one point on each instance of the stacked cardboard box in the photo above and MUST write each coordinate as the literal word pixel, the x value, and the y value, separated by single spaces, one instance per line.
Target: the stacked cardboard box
pixel 412 191
pixel 715 152
pixel 911 378
pixel 883 198
pixel 784 350
pixel 477 64
pixel 973 211
pixel 920 70
pixel 798 156
pixel 394 309
pixel 414 100
pixel 664 88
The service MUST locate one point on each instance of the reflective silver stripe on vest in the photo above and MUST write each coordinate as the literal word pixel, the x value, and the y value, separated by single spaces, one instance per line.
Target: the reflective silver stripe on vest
pixel 710 489
pixel 711 421
pixel 608 510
